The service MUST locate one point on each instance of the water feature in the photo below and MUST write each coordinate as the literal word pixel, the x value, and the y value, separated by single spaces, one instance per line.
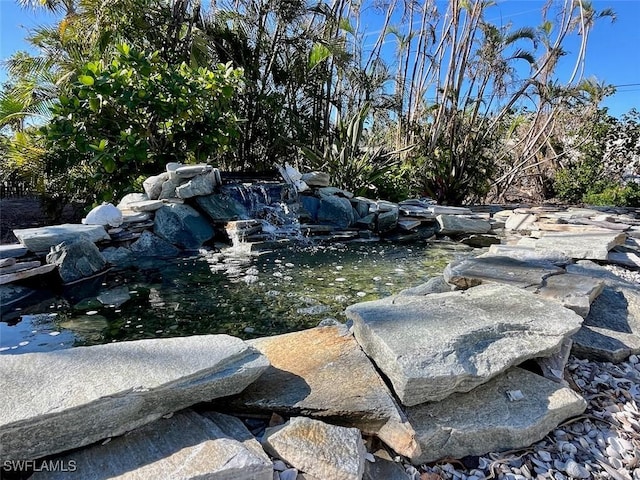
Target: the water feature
pixel 230 291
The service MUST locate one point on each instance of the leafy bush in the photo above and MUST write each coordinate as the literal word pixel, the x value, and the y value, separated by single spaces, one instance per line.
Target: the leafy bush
pixel 616 195
pixel 126 119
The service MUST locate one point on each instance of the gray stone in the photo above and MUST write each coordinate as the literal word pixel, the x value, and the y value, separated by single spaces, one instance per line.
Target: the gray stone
pixel 57 401
pixel 323 373
pixel 592 269
pixel 385 469
pixel 317 448
pixel 470 272
pixel 12 251
pixel 11 295
pixel 115 296
pixel 520 221
pixel 316 179
pixel 626 259
pixel 480 241
pixel 153 185
pixel 182 226
pixel 408 224
pixel 41 239
pixel 335 211
pixel 130 198
pixel 119 256
pixel 361 206
pixel 455 225
pixel 331 191
pixel 434 345
pixel 24 274
pixel 221 207
pixel 367 222
pixel 146 205
pixel 105 214
pixel 611 331
pixel 168 191
pixel 553 367
pixel 311 205
pixel 433 285
pixel 9 261
pixel 585 245
pixel 77 259
pixel 186 446
pixel 199 185
pixel 191 171
pixel 528 254
pixel 445 210
pixel 387 221
pixel 150 245
pixel 19 266
pixel 575 292
pixel 485 420
pixel 130 217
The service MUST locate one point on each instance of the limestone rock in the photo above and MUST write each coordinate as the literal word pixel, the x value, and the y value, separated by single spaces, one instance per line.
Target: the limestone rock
pixel 199 185
pixel 221 207
pixel 611 331
pixel 105 214
pixel 57 401
pixel 323 373
pixel 317 448
pixel 484 420
pixel 76 260
pixel 335 211
pixel 593 246
pixel 150 245
pixel 455 225
pixel 153 185
pixel 316 179
pixel 527 254
pixel 182 226
pixel 191 171
pixel 41 239
pixel 575 292
pixel 130 198
pixel 470 272
pixel 186 446
pixel 146 205
pixel 520 221
pixel 434 345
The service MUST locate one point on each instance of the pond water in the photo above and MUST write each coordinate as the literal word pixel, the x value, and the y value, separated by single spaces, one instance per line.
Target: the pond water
pixel 234 292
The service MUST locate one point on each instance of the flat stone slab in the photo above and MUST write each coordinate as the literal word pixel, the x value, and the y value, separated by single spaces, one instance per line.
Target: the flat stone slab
pixel 576 292
pixel 485 420
pixel 323 373
pixel 23 274
pixel 528 254
pixel 146 205
pixel 317 448
pixel 432 346
pixel 498 269
pixel 12 251
pixel 455 224
pixel 593 246
pixel 187 446
pixel 43 238
pixel 57 401
pixel 520 221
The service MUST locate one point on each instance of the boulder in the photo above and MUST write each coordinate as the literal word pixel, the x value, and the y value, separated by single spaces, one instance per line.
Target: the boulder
pixel 470 272
pixel 76 260
pixel 191 171
pixel 311 204
pixel 13 295
pixel 331 191
pixel 368 222
pixel 387 221
pixel 153 185
pixel 60 400
pixel 105 214
pixel 323 373
pixel 456 225
pixel 586 245
pixel 317 448
pixel 186 446
pixel 434 345
pixel 221 207
pixel 575 292
pixel 199 185
pixel 41 239
pixel 486 420
pixel 118 256
pixel 336 211
pixel 316 179
pixel 168 190
pixel 182 226
pixel 130 198
pixel 481 241
pixel 150 245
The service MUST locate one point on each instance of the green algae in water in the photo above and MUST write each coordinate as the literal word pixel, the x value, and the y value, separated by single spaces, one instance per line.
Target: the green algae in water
pixel 249 295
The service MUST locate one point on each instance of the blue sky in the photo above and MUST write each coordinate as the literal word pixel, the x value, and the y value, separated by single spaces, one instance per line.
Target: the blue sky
pixel 613 52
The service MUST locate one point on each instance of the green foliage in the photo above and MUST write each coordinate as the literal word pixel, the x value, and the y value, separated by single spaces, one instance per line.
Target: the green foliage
pixel 351 165
pixel 617 195
pixel 128 118
pixel 574 182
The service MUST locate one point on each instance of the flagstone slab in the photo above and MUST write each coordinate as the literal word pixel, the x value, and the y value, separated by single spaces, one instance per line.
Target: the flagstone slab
pixel 12 251
pixel 520 221
pixel 187 446
pixel 322 373
pixel 432 346
pixel 57 401
pixel 470 272
pixel 576 292
pixel 24 274
pixel 456 224
pixel 485 420
pixel 584 245
pixel 528 254
pixel 41 239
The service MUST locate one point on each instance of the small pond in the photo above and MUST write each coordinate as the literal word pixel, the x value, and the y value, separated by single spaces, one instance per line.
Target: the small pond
pixel 233 291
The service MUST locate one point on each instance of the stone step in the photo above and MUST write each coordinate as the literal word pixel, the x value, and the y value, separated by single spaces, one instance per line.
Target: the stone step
pixel 486 420
pixel 584 245
pixel 186 446
pixel 60 400
pixel 434 345
pixel 40 240
pixel 323 373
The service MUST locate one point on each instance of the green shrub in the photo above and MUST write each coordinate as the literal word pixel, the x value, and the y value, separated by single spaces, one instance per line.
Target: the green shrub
pixel 617 195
